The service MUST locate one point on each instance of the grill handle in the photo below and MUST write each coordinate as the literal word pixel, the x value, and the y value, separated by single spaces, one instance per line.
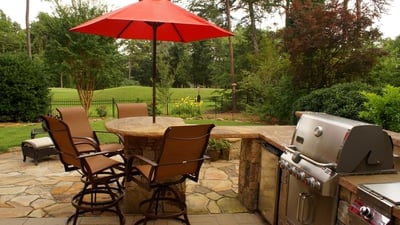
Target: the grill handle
pixel 305 208
pixel 299 156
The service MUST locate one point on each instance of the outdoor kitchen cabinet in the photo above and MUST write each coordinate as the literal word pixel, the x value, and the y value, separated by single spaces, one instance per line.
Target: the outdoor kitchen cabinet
pixel 268 196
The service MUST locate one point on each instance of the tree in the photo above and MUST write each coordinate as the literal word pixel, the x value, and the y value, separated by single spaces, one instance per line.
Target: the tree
pixel 268 89
pixel 87 59
pixel 11 35
pixel 140 61
pixel 231 56
pixel 330 43
pixel 165 81
pixel 209 57
pixel 24 92
pixel 387 70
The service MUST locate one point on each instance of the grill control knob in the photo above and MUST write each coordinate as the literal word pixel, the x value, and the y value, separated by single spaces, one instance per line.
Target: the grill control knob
pixel 283 164
pixel 292 170
pixel 301 175
pixel 316 185
pixel 310 180
pixel 366 212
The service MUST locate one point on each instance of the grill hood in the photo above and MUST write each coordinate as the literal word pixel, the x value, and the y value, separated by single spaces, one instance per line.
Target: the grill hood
pixel 356 147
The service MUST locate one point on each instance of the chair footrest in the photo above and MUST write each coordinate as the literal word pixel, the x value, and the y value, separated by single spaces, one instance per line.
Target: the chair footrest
pixel 162 208
pixel 38 148
pixel 97 199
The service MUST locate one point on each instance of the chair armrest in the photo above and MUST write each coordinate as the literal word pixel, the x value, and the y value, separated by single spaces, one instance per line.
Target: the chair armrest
pixel 120 137
pixel 206 157
pixel 86 141
pixel 91 154
pixel 146 160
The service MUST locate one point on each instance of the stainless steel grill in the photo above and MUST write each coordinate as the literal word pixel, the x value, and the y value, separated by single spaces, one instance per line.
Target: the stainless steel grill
pixel 323 148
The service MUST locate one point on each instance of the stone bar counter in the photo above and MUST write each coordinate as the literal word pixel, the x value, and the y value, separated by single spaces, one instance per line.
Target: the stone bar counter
pixel 141 136
pixel 250 155
pixel 251 160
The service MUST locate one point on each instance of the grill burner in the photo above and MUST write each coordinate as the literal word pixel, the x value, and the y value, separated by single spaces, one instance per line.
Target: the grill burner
pixel 323 148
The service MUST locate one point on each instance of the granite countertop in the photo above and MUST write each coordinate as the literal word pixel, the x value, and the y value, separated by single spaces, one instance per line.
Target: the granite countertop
pixel 279 136
pixel 352 181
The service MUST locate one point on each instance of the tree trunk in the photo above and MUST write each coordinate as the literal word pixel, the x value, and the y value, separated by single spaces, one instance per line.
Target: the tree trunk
pixel 28 31
pixel 85 87
pixel 253 27
pixel 231 58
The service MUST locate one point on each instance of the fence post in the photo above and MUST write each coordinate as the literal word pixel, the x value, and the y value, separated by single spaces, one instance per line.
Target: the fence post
pixel 113 107
pixel 50 106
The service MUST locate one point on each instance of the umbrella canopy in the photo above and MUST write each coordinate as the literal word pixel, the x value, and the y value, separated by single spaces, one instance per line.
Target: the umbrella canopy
pixel 136 21
pixel 157 20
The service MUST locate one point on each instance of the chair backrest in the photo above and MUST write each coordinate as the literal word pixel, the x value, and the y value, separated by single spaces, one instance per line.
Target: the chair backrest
pixel 77 120
pixel 182 152
pixel 132 109
pixel 61 137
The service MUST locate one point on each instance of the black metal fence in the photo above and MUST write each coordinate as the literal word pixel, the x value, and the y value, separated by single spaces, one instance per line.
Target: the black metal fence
pixel 187 107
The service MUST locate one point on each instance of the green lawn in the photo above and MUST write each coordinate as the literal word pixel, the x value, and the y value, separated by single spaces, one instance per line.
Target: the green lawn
pixel 133 92
pixel 13 135
pixel 136 94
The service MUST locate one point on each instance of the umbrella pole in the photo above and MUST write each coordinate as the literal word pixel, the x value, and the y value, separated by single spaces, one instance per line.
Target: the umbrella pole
pixel 154 25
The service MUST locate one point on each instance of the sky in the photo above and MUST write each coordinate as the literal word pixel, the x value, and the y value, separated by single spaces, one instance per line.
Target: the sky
pixel 15 9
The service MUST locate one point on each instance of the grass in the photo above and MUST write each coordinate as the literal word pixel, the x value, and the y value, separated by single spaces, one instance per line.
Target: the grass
pixel 135 94
pixel 11 135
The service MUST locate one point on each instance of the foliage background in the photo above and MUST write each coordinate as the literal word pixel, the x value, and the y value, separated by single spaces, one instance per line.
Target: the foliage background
pixel 273 69
pixel 24 93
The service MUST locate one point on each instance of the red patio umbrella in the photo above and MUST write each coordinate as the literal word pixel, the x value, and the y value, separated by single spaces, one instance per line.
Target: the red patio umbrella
pixel 156 20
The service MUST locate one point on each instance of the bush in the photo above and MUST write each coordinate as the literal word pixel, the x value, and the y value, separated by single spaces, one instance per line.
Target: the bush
pixel 23 89
pixel 101 111
pixel 383 109
pixel 345 100
pixel 217 148
pixel 187 107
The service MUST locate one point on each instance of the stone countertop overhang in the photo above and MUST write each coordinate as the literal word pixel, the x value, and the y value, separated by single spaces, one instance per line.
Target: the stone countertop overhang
pixel 276 135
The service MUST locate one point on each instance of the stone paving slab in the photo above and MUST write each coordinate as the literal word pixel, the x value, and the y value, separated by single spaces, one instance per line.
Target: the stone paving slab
pixel 45 190
pixel 208 219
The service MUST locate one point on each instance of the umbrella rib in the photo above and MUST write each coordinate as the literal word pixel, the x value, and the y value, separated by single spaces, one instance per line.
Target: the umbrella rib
pixel 124 29
pixel 179 33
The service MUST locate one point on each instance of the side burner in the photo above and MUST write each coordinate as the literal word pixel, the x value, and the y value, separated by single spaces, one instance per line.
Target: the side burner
pixel 375 203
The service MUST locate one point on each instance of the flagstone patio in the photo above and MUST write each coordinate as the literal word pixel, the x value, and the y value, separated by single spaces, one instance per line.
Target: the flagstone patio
pixel 45 190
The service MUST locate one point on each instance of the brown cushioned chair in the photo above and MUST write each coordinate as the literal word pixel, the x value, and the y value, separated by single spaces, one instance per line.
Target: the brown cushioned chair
pixel 79 125
pixel 132 109
pixel 102 190
pixel 182 154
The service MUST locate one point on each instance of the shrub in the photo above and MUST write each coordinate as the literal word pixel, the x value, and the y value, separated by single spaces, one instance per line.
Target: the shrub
pixel 187 107
pixel 383 109
pixel 101 111
pixel 345 100
pixel 217 148
pixel 23 89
